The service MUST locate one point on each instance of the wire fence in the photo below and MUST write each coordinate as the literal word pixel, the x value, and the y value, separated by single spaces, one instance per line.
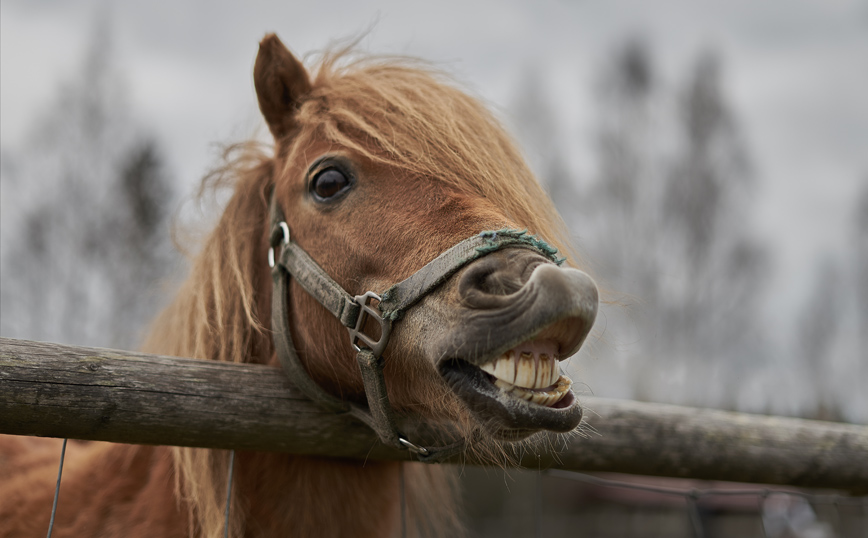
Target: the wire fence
pixel 596 509
pixel 512 504
pixel 717 509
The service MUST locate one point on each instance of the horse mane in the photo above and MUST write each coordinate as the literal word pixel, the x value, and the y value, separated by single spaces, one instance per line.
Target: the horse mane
pixel 218 314
pixel 399 112
pixel 415 118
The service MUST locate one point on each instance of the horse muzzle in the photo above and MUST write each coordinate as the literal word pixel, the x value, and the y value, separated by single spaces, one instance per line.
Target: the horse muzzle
pixel 500 351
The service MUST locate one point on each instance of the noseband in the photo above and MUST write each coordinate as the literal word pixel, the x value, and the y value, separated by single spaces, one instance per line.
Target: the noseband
pixel 353 312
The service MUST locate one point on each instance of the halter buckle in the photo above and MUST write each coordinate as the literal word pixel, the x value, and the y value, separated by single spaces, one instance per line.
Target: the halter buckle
pixel 356 334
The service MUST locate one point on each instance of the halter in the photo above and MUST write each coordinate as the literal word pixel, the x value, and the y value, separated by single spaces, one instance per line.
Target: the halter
pixel 353 311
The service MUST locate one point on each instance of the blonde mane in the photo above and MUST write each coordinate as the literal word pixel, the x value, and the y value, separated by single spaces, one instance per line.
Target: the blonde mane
pixel 421 122
pixel 394 111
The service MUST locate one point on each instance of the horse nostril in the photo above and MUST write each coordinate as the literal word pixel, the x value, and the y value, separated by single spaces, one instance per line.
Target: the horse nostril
pixel 476 278
pixel 487 282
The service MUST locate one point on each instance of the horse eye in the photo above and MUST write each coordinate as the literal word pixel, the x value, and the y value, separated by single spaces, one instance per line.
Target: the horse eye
pixel 328 183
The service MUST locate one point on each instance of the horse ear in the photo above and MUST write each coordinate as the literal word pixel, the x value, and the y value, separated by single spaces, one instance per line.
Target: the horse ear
pixel 281 82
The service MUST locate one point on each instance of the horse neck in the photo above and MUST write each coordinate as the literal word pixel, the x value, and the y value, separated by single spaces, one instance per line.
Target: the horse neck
pixel 107 490
pixel 286 495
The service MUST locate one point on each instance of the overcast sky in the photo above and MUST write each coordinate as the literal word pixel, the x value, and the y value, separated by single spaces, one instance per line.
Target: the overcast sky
pixel 795 72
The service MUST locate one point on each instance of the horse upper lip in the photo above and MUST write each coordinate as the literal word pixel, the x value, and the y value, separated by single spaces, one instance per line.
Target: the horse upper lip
pixel 558 304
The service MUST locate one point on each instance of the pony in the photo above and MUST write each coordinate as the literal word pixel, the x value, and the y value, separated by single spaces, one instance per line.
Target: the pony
pixel 379 165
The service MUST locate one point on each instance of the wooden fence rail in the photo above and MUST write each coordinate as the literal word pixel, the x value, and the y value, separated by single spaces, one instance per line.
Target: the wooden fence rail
pixel 121 396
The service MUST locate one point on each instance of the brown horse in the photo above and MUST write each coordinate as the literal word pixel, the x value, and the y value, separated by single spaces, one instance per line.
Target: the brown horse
pixel 379 165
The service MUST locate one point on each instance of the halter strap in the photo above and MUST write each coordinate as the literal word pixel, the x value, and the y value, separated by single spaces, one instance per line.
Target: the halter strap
pixel 353 312
pixel 404 294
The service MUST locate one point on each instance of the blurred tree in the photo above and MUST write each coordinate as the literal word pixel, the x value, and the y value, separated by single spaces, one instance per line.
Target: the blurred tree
pixel 87 240
pixel 626 93
pixel 712 311
pixel 623 218
pixel 854 370
pixel 625 207
pixel 670 220
pixel 831 332
pixel 817 331
pixel 540 135
pixel 860 243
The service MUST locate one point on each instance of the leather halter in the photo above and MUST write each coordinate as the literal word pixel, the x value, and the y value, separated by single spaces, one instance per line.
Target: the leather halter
pixel 353 311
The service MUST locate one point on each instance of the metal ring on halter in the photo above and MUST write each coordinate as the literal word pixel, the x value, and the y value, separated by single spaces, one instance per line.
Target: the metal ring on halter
pixel 285 229
pixel 366 311
pixel 415 449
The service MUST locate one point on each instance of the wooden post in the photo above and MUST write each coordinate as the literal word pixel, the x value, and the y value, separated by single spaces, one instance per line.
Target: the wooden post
pixel 120 396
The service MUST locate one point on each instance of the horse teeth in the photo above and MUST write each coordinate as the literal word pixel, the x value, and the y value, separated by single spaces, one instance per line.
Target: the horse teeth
pixel 506 367
pixel 525 370
pixel 503 369
pixel 543 371
pixel 545 398
pixel 554 373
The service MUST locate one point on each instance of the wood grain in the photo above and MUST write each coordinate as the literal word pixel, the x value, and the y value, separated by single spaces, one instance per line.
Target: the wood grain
pixel 56 390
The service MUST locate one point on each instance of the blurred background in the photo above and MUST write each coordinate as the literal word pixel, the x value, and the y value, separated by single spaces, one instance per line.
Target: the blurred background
pixel 710 159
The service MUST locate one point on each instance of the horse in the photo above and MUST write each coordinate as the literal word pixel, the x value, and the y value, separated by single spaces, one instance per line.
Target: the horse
pixel 381 168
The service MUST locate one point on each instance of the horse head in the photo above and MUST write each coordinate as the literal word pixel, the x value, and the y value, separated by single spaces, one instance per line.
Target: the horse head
pixel 378 170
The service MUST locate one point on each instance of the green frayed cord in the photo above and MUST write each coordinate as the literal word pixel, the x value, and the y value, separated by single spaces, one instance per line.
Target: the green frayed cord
pixel 522 237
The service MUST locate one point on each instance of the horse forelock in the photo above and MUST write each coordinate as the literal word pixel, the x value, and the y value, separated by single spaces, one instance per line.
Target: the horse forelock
pixel 404 113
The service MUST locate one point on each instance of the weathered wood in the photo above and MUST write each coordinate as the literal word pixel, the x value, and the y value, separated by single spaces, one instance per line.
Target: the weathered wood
pixel 710 444
pixel 54 390
pixel 97 394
